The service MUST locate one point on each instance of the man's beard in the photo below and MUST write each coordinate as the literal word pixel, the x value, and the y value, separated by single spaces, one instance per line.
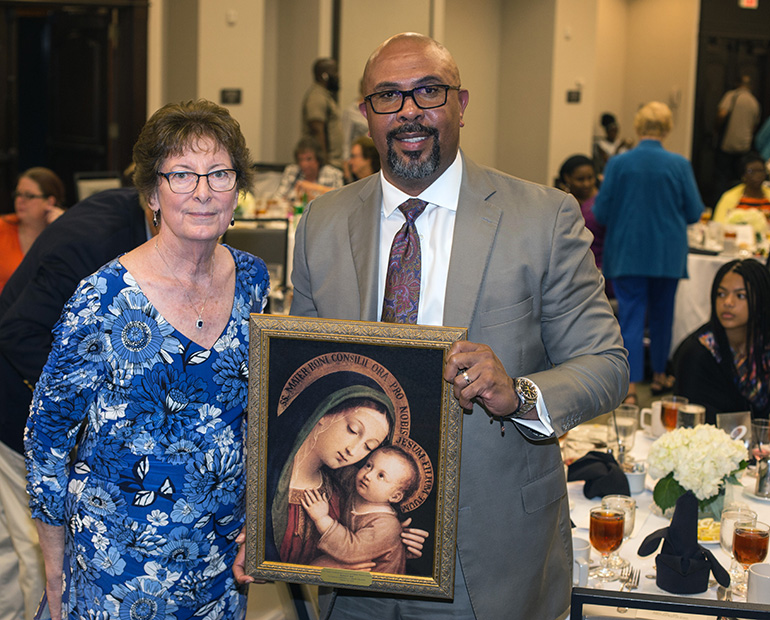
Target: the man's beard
pixel 409 166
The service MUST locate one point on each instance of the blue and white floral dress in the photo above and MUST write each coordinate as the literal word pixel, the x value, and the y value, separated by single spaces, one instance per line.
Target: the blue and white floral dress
pixel 154 498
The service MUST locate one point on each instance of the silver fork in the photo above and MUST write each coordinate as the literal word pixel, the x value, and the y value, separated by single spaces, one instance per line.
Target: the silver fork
pixel 625 574
pixel 633 580
pixel 632 583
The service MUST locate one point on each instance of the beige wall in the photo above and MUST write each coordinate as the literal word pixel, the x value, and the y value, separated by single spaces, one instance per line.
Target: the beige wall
pixel 517 58
pixel 474 39
pixel 523 123
pixel 661 63
pixel 574 69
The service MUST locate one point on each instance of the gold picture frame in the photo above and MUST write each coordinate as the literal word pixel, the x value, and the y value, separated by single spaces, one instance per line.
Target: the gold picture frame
pixel 303 426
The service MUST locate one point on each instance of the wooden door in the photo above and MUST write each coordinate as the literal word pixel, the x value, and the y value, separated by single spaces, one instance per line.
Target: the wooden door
pixel 76 76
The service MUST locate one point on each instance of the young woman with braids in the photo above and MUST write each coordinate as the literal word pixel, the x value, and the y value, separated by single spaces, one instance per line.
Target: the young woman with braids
pixel 725 364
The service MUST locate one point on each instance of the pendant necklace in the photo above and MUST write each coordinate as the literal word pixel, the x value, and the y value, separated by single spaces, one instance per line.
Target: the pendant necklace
pixel 199 322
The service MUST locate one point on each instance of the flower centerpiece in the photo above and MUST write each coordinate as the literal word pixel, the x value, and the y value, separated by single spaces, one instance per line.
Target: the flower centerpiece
pixel 702 460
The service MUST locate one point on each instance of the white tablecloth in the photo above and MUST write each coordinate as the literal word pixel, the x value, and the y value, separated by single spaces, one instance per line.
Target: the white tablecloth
pixel 692 306
pixel 646 523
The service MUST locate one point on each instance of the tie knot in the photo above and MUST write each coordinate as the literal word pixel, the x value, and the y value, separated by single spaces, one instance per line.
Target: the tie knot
pixel 412 208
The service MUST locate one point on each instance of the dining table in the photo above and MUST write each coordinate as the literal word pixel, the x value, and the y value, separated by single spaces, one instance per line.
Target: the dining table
pixel 648 519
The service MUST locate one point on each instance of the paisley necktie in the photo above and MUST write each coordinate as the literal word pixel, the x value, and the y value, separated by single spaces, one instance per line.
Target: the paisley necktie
pixel 402 285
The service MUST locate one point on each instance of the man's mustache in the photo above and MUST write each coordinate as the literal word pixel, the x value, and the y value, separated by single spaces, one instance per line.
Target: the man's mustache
pixel 411 128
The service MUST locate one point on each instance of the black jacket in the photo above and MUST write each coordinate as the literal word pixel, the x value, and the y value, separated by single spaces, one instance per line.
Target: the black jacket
pixel 84 238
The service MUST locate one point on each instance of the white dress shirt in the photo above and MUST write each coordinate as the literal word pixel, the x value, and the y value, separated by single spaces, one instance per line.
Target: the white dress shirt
pixel 435 227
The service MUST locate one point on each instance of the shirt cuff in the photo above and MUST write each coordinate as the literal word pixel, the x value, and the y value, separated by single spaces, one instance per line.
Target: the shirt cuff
pixel 543 423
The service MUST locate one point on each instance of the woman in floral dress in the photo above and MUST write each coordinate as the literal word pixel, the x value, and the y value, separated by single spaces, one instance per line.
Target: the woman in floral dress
pixel 147 380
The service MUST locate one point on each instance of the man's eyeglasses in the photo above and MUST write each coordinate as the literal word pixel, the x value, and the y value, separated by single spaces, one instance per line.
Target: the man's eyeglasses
pixel 187 182
pixel 424 97
pixel 26 195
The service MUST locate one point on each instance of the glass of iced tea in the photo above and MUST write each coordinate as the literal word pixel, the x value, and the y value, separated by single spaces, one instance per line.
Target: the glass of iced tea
pixel 669 410
pixel 628 506
pixel 606 535
pixel 750 541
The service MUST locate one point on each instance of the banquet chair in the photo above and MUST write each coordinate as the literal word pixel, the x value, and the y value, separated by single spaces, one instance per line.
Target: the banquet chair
pixel 89 183
pixel 267 238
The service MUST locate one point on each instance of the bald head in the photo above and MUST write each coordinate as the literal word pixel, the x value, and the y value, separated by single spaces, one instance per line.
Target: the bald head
pixel 398 42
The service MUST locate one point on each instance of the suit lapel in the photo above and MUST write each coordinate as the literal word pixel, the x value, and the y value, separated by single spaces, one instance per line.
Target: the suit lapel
pixel 476 225
pixel 364 234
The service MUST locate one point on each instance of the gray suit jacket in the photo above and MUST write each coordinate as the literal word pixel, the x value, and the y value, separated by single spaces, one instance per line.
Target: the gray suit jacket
pixel 523 280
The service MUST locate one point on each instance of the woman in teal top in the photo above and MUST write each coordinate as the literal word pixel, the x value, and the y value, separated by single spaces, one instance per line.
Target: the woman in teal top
pixel 648 197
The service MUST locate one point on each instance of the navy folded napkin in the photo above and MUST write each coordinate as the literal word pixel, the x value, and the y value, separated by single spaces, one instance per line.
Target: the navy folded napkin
pixel 602 474
pixel 683 566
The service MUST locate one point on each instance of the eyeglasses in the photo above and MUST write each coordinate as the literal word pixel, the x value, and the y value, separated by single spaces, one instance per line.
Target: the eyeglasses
pixel 756 171
pixel 424 97
pixel 187 182
pixel 26 195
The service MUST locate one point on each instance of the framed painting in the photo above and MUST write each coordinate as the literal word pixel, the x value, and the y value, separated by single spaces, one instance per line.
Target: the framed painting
pixel 353 447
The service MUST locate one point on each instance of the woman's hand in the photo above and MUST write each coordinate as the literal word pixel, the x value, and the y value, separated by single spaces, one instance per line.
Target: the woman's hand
pixel 52 545
pixel 52 213
pixel 239 566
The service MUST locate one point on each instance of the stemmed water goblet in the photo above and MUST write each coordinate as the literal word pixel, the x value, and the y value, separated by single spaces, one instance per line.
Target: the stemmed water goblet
pixel 726 529
pixel 750 543
pixel 622 425
pixel 606 535
pixel 628 506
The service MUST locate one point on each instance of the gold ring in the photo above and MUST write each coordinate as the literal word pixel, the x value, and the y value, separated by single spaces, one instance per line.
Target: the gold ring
pixel 466 377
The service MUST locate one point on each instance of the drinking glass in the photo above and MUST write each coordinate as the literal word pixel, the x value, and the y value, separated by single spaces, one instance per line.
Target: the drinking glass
pixel 670 410
pixel 628 506
pixel 760 438
pixel 606 535
pixel 622 425
pixel 750 542
pixel 726 530
pixel 690 415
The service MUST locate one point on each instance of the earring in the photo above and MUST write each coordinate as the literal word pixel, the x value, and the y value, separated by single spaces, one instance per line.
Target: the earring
pixel 155 219
pixel 232 221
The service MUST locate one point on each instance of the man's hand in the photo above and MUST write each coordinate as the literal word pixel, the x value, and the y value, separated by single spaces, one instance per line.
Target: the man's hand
pixel 413 539
pixel 490 386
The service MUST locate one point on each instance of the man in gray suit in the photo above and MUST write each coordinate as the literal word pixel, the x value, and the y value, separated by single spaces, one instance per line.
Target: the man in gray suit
pixel 511 261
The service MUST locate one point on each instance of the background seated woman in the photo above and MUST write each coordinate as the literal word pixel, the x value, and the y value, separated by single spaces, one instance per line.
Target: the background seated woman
pixel 751 194
pixel 725 364
pixel 37 202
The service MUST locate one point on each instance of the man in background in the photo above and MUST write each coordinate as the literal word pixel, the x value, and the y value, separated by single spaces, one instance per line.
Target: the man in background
pixel 511 261
pixel 737 118
pixel 320 113
pixel 87 236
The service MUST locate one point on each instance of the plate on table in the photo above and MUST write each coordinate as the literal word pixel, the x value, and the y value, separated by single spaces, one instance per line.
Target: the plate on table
pixel 753 495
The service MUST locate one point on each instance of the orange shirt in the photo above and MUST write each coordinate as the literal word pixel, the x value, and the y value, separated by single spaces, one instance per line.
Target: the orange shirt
pixel 763 204
pixel 10 248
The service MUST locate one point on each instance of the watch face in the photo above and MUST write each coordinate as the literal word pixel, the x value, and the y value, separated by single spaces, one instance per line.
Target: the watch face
pixel 527 391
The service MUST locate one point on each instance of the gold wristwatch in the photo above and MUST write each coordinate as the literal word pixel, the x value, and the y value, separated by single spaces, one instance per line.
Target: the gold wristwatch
pixel 527 393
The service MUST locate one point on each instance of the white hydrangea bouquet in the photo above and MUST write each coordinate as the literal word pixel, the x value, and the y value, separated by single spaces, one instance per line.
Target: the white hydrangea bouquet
pixel 702 460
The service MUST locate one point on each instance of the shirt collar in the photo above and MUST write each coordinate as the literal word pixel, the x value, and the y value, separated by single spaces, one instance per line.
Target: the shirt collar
pixel 443 192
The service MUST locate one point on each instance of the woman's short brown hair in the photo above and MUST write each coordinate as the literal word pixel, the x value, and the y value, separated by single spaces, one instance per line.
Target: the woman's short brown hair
pixel 176 127
pixel 48 181
pixel 653 120
pixel 369 151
